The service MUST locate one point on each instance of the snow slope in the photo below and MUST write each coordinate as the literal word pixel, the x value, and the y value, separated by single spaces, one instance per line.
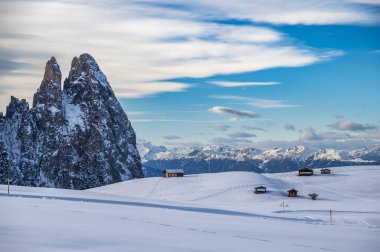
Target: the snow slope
pixel 204 212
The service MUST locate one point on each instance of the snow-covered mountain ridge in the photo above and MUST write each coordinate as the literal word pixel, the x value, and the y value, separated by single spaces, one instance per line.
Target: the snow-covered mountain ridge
pixel 76 137
pixel 215 158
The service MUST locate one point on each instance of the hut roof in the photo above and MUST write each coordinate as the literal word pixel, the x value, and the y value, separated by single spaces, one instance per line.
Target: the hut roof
pixel 325 169
pixel 292 190
pixel 260 187
pixel 173 171
pixel 305 169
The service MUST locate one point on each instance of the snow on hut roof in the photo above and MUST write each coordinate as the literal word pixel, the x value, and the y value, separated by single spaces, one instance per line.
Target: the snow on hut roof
pixel 174 171
pixel 260 187
pixel 305 169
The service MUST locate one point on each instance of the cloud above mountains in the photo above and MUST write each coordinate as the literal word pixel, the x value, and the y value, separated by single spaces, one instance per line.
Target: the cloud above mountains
pixel 140 44
pixel 171 137
pixel 234 112
pixel 309 12
pixel 352 126
pixel 243 84
pixel 220 126
pixel 249 127
pixel 241 135
pixel 311 134
pixel 290 127
pixel 254 102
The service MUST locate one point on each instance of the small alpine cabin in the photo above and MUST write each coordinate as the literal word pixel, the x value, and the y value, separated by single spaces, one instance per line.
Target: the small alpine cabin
pixel 260 189
pixel 292 192
pixel 173 173
pixel 325 171
pixel 305 172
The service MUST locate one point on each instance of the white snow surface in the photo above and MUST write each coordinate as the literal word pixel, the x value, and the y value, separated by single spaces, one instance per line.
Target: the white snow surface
pixel 74 114
pixel 203 212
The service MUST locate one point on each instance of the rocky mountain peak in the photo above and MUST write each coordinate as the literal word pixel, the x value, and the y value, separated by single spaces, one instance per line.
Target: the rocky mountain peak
pixel 85 64
pixel 49 92
pixel 52 72
pixel 86 82
pixel 16 106
pixel 78 137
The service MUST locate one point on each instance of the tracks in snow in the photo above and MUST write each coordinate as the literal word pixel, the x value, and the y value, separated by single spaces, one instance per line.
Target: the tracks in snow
pixel 168 207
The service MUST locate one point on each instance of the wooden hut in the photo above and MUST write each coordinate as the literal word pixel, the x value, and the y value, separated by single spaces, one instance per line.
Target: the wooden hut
pixel 173 173
pixel 260 189
pixel 325 171
pixel 292 192
pixel 305 172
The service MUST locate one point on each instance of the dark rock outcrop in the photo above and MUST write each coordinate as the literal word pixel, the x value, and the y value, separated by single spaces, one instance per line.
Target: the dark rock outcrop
pixel 78 137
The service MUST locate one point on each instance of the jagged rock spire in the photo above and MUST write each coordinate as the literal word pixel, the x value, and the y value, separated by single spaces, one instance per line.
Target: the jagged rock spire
pixel 52 72
pixel 49 91
pixel 78 137
pixel 86 81
pixel 16 106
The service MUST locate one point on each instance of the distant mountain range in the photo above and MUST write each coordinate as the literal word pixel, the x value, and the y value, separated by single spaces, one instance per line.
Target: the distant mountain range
pixel 216 158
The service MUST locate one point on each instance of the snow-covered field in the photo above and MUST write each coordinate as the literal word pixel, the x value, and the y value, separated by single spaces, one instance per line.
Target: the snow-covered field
pixel 205 212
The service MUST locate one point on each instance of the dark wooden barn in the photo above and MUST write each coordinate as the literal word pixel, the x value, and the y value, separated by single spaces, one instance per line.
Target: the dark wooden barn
pixel 260 189
pixel 325 171
pixel 292 192
pixel 173 173
pixel 305 172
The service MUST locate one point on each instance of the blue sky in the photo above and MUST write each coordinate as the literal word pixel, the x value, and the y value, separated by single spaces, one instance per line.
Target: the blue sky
pixel 244 73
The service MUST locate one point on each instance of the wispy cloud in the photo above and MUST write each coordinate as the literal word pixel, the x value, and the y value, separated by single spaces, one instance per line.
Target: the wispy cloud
pixel 375 52
pixel 248 127
pixel 171 137
pixel 231 141
pixel 348 125
pixel 310 135
pixel 145 120
pixel 234 112
pixel 220 126
pixel 311 12
pixel 131 112
pixel 260 103
pixel 242 84
pixel 241 135
pixel 290 127
pixel 139 44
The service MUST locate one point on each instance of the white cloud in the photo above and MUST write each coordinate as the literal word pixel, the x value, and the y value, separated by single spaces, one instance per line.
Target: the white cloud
pixel 260 103
pixel 234 112
pixel 220 126
pixel 241 135
pixel 348 125
pixel 138 44
pixel 248 127
pixel 306 12
pixel 171 137
pixel 231 141
pixel 289 126
pixel 242 84
pixel 310 135
pixel 139 90
pixel 145 120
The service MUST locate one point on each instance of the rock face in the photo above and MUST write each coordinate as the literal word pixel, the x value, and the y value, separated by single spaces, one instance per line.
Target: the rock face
pixel 78 137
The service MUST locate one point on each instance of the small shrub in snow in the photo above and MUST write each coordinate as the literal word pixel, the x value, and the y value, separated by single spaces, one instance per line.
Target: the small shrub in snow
pixel 313 195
